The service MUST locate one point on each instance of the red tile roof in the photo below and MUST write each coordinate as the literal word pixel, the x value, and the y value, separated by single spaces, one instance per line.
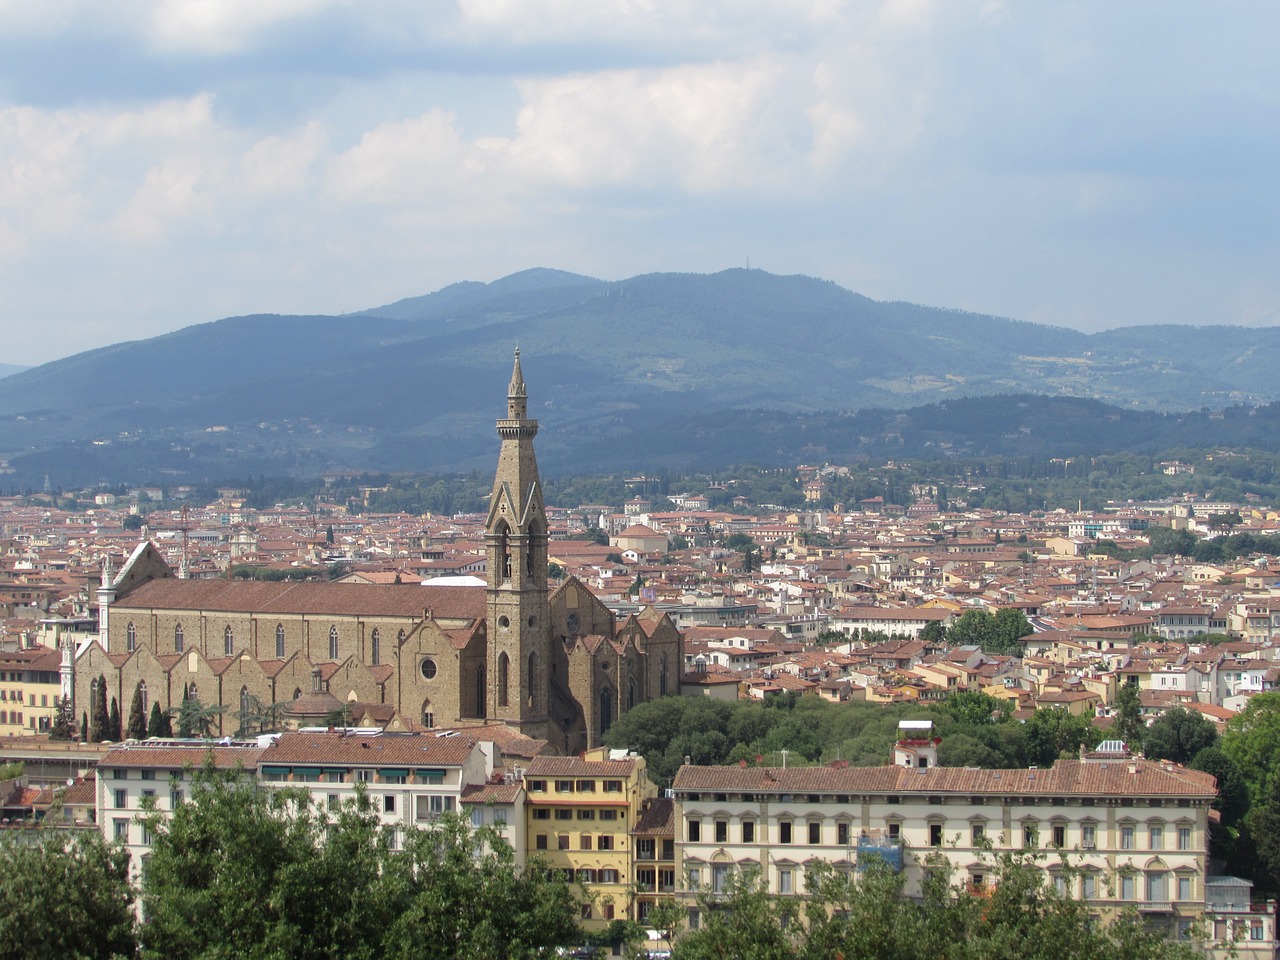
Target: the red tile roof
pixel 389 748
pixel 1065 778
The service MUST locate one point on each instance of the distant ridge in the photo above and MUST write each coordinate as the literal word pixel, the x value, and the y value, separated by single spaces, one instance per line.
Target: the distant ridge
pixel 711 364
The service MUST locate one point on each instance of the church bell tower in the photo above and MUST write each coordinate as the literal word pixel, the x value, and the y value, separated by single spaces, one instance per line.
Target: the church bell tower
pixel 518 657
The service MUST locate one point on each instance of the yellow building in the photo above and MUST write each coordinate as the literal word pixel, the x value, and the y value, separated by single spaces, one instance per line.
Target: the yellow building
pixel 580 815
pixel 30 686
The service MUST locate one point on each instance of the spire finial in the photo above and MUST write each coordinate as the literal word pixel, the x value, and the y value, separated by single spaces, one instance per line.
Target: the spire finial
pixel 517 379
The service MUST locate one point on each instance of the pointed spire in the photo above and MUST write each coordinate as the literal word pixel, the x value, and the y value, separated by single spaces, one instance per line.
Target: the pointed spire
pixel 106 571
pixel 517 388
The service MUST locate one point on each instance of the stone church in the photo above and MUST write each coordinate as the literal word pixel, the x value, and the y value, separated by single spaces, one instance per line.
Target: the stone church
pixel 554 665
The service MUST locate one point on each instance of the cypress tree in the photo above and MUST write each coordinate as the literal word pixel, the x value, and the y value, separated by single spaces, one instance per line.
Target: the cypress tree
pixel 137 728
pixel 100 726
pixel 155 722
pixel 113 722
pixel 84 726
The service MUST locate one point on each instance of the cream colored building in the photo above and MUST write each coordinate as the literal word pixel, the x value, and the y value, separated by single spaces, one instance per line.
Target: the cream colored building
pixel 1133 832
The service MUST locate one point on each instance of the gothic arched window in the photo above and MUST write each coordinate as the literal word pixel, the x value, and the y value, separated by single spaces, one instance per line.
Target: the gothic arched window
pixel 662 676
pixel 504 549
pixel 631 693
pixel 179 641
pixel 228 641
pixel 375 647
pixel 279 641
pixel 503 663
pixel 130 637
pixel 531 678
pixel 146 703
pixel 333 643
pixel 246 709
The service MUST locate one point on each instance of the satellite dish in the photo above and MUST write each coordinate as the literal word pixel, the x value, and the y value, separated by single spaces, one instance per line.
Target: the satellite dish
pixel 71 781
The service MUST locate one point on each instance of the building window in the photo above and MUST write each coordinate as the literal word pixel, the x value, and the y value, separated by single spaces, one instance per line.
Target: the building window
pixel 228 641
pixel 503 665
pixel 722 831
pixel 375 647
pixel 1184 838
pixel 540 842
pixel 935 834
pixel 563 814
pixel 584 841
pixel 695 831
pixel 389 803
pixel 1155 837
pixel 130 637
pixel 179 641
pixel 120 830
pixel 613 786
pixel 1059 835
pixel 333 643
pixel 786 883
pixel 784 831
pixel 586 814
pixel 605 842
pixel 562 841
pixel 1157 887
pixel 1128 887
pixel 842 834
pixel 719 878
pixel 1088 836
pixel 977 832
pixel 1184 888
pixel 279 641
pixel 1126 838
pixel 122 799
pixel 427 668
pixel 1088 886
pixel 1030 835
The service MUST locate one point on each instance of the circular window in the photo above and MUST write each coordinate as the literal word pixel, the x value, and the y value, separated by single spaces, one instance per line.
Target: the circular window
pixel 504 622
pixel 428 668
pixel 604 666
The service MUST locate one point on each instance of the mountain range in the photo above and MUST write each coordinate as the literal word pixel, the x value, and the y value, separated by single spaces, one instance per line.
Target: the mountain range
pixel 657 369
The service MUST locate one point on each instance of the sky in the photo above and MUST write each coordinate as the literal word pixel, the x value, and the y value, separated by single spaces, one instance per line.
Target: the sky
pixel 1085 164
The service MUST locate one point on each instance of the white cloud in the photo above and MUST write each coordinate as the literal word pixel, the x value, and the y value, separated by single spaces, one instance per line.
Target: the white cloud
pixel 220 27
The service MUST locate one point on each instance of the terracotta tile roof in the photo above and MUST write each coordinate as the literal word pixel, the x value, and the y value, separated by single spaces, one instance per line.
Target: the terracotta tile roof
pixel 491 793
pixel 317 599
pixel 178 757
pixel 1065 778
pixel 575 767
pixel 658 819
pixel 388 748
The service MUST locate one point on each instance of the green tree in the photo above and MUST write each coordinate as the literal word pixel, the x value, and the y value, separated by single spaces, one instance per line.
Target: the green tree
pixel 1263 825
pixel 137 728
pixel 1128 724
pixel 1232 801
pixel 1178 735
pixel 195 719
pixel 743 920
pixel 974 708
pixel 100 719
pixel 113 722
pixel 64 895
pixel 1252 740
pixel 63 727
pixel 158 723
pixel 1054 732
pixel 972 628
pixel 132 522
pixel 1009 627
pixel 933 632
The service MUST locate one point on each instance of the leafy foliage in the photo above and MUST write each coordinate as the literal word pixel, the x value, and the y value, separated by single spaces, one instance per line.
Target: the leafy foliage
pixel 64 895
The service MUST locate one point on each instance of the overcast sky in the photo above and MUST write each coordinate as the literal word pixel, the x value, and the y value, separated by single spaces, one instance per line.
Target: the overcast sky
pixel 1091 164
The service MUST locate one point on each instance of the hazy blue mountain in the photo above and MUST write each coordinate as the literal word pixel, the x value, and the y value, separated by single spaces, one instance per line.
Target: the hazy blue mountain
pixel 614 368
pixel 8 369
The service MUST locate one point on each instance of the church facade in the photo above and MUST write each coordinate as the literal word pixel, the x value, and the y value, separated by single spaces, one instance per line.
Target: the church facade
pixel 554 665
